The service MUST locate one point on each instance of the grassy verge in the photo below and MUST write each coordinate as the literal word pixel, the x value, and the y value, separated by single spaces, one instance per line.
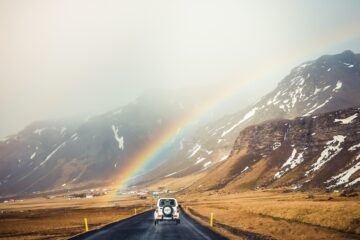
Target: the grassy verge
pixel 61 219
pixel 227 230
pixel 279 215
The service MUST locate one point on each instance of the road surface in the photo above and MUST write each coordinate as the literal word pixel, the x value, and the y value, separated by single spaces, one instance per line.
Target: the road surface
pixel 142 227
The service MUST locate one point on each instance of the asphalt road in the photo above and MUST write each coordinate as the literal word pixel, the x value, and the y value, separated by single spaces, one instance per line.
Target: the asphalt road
pixel 142 227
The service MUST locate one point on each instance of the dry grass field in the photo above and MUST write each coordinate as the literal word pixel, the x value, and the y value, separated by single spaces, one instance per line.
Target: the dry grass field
pixel 60 218
pixel 279 215
pixel 274 214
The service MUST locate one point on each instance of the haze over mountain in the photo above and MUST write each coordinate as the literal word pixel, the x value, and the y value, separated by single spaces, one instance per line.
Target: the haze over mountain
pixel 56 155
pixel 50 155
pixel 63 58
pixel 328 83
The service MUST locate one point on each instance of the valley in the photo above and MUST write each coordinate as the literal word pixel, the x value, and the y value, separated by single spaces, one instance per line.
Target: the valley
pixel 264 213
pixel 287 167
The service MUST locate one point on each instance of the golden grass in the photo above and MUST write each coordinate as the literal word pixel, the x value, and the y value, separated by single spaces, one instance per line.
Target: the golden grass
pixel 276 214
pixel 248 179
pixel 282 216
pixel 60 218
pixel 55 223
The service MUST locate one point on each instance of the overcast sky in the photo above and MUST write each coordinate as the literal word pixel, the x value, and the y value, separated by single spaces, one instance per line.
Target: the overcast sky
pixel 60 58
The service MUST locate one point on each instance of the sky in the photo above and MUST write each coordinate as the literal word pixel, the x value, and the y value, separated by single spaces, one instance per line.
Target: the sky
pixel 61 58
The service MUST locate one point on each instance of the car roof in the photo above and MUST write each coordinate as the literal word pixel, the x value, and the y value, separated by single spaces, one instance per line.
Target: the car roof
pixel 158 201
pixel 167 198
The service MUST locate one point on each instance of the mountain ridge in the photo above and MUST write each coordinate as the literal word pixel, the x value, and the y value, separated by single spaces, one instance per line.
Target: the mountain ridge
pixel 304 153
pixel 60 155
pixel 329 83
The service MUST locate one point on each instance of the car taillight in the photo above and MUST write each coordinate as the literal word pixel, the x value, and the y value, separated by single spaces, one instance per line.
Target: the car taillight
pixel 178 209
pixel 157 210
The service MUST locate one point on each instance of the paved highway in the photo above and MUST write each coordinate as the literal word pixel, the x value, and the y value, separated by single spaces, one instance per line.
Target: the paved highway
pixel 142 227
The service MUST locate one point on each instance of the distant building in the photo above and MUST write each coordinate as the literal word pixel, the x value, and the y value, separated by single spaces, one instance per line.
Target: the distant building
pixel 89 196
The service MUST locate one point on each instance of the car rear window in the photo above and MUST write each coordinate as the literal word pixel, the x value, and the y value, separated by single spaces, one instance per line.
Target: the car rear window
pixel 164 202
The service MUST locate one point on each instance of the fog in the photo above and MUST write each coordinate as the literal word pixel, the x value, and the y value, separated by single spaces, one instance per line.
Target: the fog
pixel 60 58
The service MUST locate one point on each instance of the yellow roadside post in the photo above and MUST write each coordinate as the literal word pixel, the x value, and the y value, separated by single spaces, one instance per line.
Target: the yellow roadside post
pixel 135 211
pixel 86 225
pixel 211 219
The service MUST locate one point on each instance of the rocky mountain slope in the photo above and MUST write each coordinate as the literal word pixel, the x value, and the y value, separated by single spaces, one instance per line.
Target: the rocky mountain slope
pixel 321 151
pixel 329 83
pixel 50 155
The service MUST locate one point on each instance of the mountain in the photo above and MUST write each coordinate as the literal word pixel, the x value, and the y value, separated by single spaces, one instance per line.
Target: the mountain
pixel 58 155
pixel 321 151
pixel 329 83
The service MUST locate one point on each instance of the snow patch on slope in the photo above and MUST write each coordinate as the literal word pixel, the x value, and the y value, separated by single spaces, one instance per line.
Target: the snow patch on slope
pixel 291 163
pixel 63 130
pixel 344 177
pixel 224 158
pixel 39 131
pixel 353 148
pixel 332 148
pixel 348 65
pixel 207 164
pixel 194 150
pixel 171 174
pixel 199 160
pixel 338 86
pixel 316 91
pixel 276 145
pixel 316 107
pixel 209 151
pixel 52 153
pixel 74 137
pixel 353 182
pixel 246 117
pixel 245 169
pixel 119 139
pixel 346 120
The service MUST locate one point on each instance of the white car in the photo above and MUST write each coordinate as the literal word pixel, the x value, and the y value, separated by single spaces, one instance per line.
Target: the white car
pixel 167 209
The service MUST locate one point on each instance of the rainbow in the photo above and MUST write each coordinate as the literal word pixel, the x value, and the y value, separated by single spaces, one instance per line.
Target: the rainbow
pixel 154 149
pixel 156 146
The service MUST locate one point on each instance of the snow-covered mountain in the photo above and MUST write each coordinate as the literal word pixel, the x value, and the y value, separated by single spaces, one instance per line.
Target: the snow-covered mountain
pixel 55 155
pixel 329 83
pixel 320 151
